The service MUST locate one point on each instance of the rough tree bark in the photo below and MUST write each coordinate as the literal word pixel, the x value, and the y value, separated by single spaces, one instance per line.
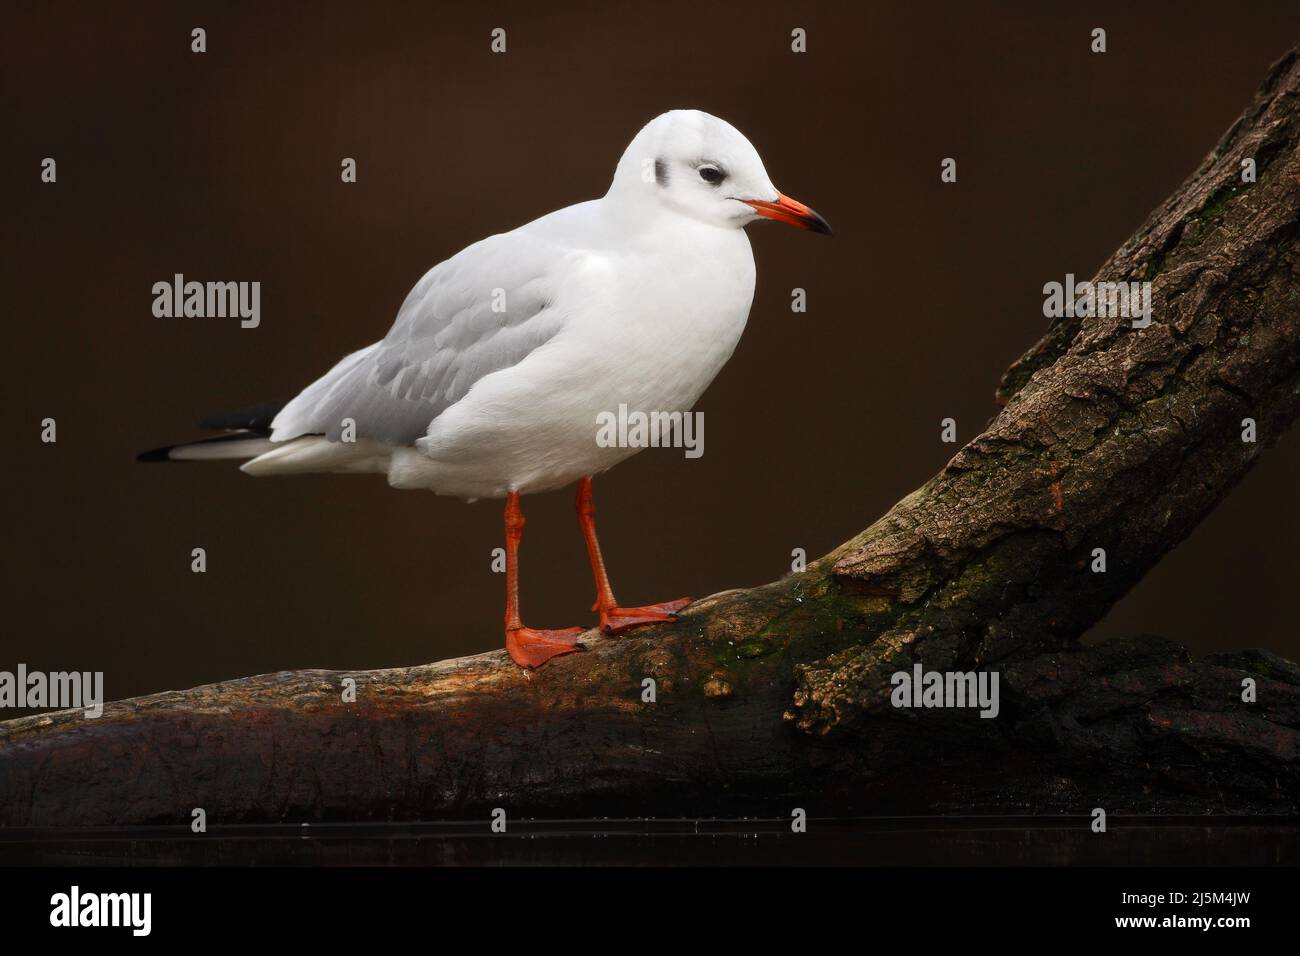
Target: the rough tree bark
pixel 778 696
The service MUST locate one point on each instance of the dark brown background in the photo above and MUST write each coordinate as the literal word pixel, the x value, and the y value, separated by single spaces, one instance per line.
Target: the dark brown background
pixel 226 166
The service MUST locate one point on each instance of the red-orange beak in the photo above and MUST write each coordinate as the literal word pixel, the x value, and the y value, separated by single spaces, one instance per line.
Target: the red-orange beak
pixel 792 211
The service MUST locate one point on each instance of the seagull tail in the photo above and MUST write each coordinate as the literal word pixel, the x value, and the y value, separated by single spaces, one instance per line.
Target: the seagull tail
pixel 236 445
pixel 248 434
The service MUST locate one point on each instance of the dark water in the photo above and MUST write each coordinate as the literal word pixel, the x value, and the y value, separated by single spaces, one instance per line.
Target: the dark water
pixel 895 841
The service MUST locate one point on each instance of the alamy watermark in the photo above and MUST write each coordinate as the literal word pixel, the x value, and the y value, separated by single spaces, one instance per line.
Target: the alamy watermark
pixel 64 690
pixel 634 429
pixel 1102 300
pixel 946 689
pixel 209 300
pixel 75 908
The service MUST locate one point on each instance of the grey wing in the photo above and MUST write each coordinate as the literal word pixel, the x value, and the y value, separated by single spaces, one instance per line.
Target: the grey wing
pixel 485 309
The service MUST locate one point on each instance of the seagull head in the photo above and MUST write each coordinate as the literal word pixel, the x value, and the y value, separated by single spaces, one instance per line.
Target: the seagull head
pixel 700 166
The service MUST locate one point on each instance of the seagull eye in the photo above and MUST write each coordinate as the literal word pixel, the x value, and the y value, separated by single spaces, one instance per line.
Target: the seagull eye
pixel 712 175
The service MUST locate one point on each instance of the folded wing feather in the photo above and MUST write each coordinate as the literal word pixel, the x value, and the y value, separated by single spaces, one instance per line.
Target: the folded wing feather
pixel 485 309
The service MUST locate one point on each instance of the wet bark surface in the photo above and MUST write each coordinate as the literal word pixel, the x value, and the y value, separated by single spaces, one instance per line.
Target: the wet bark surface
pixel 1110 437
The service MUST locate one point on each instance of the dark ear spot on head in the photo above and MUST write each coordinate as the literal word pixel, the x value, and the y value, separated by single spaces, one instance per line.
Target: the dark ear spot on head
pixel 661 172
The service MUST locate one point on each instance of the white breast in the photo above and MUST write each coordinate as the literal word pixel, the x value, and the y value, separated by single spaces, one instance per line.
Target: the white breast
pixel 649 321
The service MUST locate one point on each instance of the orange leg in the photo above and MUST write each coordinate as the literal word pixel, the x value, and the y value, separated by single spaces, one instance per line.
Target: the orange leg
pixel 528 647
pixel 615 619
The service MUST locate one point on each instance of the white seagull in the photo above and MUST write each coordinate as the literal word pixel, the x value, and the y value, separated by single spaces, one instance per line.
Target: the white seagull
pixel 493 378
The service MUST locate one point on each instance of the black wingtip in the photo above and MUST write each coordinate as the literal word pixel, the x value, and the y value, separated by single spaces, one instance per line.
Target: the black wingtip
pixel 156 454
pixel 256 419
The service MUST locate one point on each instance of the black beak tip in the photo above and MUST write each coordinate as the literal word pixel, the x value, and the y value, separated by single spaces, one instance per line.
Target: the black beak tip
pixel 820 226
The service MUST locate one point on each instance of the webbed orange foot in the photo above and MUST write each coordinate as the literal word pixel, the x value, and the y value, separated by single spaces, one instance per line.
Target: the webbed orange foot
pixel 532 648
pixel 616 620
